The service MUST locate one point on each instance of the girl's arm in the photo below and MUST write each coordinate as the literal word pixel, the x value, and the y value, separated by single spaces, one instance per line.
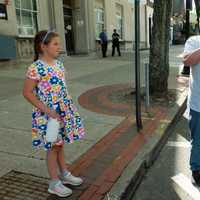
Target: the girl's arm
pixel 29 86
pixel 192 58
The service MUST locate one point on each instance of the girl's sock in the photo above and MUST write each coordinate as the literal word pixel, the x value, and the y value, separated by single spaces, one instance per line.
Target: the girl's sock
pixel 52 183
pixel 65 173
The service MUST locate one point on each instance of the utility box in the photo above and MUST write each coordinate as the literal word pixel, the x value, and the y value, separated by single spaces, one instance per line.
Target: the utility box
pixel 7 47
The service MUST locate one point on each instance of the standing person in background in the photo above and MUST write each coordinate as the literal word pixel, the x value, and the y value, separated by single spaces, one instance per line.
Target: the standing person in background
pixel 115 42
pixel 104 42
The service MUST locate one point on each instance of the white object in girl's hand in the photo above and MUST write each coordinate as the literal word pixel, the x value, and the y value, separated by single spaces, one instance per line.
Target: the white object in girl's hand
pixel 52 131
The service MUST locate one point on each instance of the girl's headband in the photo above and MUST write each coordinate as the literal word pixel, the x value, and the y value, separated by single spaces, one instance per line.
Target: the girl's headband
pixel 46 35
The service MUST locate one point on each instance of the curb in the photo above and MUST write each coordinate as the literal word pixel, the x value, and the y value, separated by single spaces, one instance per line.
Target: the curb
pixel 146 158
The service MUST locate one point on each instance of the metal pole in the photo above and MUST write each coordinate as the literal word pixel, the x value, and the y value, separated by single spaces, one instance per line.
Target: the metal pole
pixel 186 69
pixel 150 30
pixel 137 64
pixel 147 85
pixel 187 23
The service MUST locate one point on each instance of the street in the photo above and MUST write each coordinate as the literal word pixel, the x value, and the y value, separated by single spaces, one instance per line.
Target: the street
pixel 173 160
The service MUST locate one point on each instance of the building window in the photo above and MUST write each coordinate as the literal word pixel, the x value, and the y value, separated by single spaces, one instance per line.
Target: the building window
pixel 26 11
pixel 3 11
pixel 99 21
pixel 119 20
pixel 119 26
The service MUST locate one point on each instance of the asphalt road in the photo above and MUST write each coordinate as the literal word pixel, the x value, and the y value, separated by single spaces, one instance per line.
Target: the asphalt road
pixel 173 161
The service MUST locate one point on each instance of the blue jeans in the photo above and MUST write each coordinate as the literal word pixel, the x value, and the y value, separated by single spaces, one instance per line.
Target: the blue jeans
pixel 194 125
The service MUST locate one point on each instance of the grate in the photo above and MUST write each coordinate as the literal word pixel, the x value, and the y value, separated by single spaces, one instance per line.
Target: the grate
pixel 21 186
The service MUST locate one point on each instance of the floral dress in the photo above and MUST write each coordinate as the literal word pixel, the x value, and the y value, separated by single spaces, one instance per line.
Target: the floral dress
pixel 51 90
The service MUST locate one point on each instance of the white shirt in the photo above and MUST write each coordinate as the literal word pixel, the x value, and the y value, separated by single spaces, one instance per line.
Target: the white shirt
pixel 192 44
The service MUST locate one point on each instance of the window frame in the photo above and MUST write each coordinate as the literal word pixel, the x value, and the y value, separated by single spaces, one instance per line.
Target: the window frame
pixel 34 13
pixel 6 12
pixel 119 30
pixel 119 16
pixel 98 21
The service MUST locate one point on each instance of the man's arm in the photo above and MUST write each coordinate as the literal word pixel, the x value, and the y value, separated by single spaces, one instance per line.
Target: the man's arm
pixel 192 58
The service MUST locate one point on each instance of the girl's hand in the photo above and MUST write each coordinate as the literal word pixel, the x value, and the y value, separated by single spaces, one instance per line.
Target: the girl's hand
pixel 53 114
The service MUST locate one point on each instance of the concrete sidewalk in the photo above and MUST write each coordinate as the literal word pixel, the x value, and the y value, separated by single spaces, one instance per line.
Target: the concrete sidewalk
pixel 113 153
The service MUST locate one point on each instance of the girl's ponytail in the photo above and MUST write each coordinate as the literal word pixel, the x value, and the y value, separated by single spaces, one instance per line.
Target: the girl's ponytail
pixel 36 54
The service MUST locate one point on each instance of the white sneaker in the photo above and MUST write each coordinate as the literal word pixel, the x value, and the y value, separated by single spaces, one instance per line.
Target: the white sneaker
pixel 72 180
pixel 60 190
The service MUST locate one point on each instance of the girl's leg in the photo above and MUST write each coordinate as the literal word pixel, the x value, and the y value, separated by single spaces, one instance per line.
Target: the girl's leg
pixel 55 185
pixel 61 160
pixel 66 176
pixel 52 156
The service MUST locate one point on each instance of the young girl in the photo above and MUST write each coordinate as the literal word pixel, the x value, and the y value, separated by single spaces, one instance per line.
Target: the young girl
pixel 45 88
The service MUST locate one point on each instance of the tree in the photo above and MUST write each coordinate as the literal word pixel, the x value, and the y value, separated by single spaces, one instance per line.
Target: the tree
pixel 197 4
pixel 159 50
